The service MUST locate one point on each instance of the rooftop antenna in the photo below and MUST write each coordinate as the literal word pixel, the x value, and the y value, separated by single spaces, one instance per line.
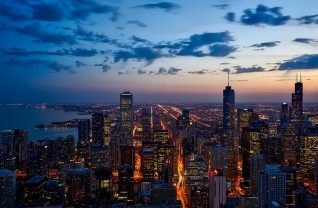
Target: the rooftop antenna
pixel 228 78
pixel 300 77
pixel 296 77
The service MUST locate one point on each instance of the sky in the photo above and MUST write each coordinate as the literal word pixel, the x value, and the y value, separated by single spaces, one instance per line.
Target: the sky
pixel 162 51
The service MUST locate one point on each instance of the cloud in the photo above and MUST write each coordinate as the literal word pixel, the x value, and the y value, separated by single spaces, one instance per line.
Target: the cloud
pixel 308 61
pixel 264 15
pixel 105 67
pixel 140 53
pixel 42 35
pixel 166 6
pixel 221 6
pixel 47 11
pixel 215 42
pixel 78 52
pixel 227 70
pixel 141 71
pixel 83 9
pixel 170 71
pixel 309 19
pixel 12 12
pixel 266 44
pixel 197 45
pixel 202 71
pixel 136 22
pixel 230 16
pixel 242 70
pixel 82 52
pixel 138 39
pixel 35 64
pixel 304 40
pixel 239 80
pixel 79 64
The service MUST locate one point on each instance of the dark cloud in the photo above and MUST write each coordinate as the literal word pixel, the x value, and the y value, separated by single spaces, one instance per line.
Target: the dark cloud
pixel 221 6
pixel 105 67
pixel 86 35
pixel 138 39
pixel 170 71
pixel 82 52
pixel 197 45
pixel 304 40
pixel 35 64
pixel 121 73
pixel 301 62
pixel 42 35
pixel 140 54
pixel 167 6
pixel 309 19
pixel 141 71
pixel 242 70
pixel 47 11
pixel 216 43
pixel 266 44
pixel 79 64
pixel 137 22
pixel 79 52
pixel 264 15
pixel 11 12
pixel 83 9
pixel 202 71
pixel 230 16
pixel 227 70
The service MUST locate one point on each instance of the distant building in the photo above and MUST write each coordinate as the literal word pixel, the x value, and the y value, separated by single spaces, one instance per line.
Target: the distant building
pixel 256 166
pixel 308 152
pixel 126 117
pixel 251 145
pixel 217 189
pixel 7 188
pixel 271 185
pixel 244 116
pixel 284 114
pixel 98 128
pixel 83 128
pixel 78 186
pixel 126 183
pixel 34 192
pixel 162 192
pixel 249 202
pixel 218 158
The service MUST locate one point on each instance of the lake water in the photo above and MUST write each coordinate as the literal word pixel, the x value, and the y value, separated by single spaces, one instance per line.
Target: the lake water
pixel 27 118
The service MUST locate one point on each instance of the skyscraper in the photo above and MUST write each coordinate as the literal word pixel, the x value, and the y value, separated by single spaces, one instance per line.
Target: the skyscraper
pixel 217 189
pixel 98 128
pixel 126 117
pixel 230 139
pixel 228 108
pixel 7 188
pixel 83 127
pixel 271 185
pixel 284 115
pixel 297 102
pixel 244 116
pixel 256 166
pixel 78 186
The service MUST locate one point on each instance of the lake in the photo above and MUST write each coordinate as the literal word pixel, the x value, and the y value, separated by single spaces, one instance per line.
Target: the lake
pixel 27 117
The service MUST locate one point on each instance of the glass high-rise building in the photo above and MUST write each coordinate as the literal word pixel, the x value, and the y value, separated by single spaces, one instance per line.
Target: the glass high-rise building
pixel 7 188
pixel 83 127
pixel 228 108
pixel 126 117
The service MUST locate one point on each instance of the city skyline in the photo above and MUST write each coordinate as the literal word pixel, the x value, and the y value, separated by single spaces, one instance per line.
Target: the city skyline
pixel 174 51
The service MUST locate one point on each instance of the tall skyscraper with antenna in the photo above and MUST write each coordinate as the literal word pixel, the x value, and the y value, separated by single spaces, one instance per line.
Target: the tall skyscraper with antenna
pixel 228 106
pixel 297 101
pixel 230 137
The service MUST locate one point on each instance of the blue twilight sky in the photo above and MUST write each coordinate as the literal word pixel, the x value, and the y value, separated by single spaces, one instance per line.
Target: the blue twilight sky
pixel 162 51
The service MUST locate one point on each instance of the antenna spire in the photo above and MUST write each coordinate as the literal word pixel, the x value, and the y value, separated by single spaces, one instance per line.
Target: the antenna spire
pixel 296 77
pixel 228 78
pixel 300 77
